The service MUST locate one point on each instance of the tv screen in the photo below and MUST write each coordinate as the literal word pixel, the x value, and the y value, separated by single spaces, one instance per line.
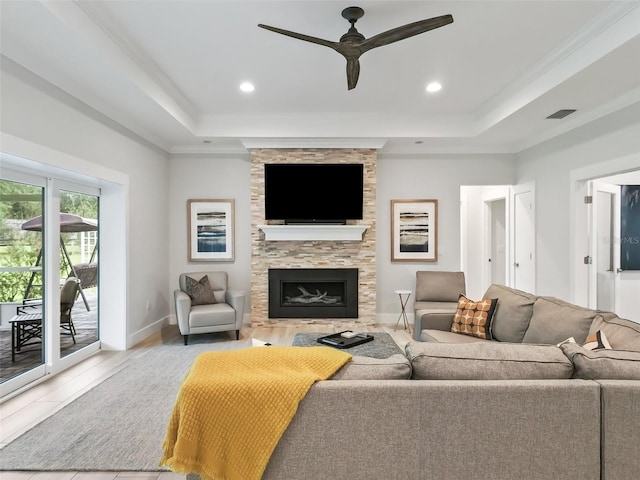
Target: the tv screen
pixel 313 192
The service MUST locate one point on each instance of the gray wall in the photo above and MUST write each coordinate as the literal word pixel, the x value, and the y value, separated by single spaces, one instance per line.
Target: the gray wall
pixel 201 176
pixel 211 177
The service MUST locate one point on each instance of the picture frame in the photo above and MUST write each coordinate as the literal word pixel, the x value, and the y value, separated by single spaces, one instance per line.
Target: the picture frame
pixel 211 230
pixel 414 230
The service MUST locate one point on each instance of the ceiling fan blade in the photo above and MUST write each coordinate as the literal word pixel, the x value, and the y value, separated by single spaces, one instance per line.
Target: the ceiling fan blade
pixel 353 72
pixel 405 31
pixel 300 36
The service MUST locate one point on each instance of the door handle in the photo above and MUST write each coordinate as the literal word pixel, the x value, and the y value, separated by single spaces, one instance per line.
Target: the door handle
pixel 517 264
pixel 619 270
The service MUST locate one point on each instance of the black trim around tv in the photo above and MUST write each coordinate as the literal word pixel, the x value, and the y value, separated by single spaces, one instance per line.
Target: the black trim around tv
pixel 314 192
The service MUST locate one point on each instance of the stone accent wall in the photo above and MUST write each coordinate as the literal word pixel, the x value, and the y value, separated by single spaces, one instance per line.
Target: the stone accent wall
pixel 313 254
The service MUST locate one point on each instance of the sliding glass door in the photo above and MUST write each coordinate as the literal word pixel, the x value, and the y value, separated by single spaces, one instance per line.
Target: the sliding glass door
pixel 79 271
pixel 22 292
pixel 49 264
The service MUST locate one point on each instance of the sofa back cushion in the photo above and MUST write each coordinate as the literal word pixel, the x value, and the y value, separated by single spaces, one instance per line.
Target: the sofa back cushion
pixel 622 334
pixel 512 314
pixel 437 286
pixel 555 320
pixel 487 361
pixel 603 364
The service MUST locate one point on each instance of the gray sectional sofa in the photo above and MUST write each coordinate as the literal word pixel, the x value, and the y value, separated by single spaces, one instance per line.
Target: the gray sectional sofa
pixel 516 407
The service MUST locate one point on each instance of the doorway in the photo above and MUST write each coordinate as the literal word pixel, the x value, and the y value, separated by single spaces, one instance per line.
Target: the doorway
pixel 622 295
pixel 605 258
pixel 608 286
pixel 485 215
pixel 48 227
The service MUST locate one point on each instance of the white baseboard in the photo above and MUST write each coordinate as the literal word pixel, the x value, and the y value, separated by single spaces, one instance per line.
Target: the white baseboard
pixel 147 331
pixel 392 318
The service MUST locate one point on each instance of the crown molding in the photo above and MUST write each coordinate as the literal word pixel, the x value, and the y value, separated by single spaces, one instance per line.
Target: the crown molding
pixel 363 143
pixel 618 23
pixel 94 23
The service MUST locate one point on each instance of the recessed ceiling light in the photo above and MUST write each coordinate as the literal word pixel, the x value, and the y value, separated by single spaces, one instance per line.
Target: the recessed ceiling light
pixel 247 87
pixel 434 87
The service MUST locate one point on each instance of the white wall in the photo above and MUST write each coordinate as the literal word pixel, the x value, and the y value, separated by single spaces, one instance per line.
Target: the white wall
pixel 211 177
pixel 42 115
pixel 155 204
pixel 551 165
pixel 425 177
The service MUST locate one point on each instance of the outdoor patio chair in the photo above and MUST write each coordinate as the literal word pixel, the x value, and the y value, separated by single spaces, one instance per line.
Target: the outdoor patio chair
pixel 68 294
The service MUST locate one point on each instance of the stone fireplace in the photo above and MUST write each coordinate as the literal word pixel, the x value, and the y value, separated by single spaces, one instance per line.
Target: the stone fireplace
pixel 322 254
pixel 313 293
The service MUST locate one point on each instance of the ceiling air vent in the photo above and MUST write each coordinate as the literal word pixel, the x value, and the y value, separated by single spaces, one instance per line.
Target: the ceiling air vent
pixel 561 114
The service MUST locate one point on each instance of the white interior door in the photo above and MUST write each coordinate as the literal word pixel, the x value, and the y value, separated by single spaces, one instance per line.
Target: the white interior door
pixel 604 246
pixel 524 235
pixel 496 241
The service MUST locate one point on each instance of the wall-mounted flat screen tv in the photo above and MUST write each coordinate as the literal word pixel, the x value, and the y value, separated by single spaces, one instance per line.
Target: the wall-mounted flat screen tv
pixel 313 192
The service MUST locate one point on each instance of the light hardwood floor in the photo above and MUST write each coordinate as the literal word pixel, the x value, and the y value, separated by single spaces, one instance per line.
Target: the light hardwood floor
pixel 22 412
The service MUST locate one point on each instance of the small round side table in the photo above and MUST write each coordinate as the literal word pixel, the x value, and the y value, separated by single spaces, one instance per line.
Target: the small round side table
pixel 403 307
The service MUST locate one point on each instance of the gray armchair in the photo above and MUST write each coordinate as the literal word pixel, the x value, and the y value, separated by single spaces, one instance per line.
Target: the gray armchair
pixel 205 305
pixel 436 299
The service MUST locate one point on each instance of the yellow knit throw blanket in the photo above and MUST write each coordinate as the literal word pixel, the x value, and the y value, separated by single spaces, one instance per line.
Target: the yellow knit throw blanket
pixel 234 406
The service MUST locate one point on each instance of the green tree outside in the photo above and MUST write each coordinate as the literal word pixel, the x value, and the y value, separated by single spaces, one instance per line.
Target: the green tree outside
pixel 18 248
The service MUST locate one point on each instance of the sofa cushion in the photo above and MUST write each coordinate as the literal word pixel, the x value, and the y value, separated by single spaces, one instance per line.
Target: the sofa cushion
pixel 622 334
pixel 603 364
pixel 429 320
pixel 200 291
pixel 487 361
pixel 474 318
pixel 441 336
pixel 436 307
pixel 554 320
pixel 512 314
pixel 395 367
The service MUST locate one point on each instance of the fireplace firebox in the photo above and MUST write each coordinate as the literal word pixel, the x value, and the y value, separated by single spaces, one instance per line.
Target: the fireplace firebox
pixel 313 293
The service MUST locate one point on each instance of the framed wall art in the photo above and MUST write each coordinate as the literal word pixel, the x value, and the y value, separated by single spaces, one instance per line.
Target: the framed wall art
pixel 414 230
pixel 211 230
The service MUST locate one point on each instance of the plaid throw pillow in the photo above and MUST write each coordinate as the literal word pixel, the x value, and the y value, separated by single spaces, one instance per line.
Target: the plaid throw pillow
pixel 474 318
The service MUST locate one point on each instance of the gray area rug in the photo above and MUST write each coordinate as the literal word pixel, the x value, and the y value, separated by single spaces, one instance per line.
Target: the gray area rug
pixel 120 424
pixel 382 346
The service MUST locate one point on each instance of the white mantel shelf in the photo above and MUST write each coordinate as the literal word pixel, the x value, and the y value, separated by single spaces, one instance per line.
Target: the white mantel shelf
pixel 313 232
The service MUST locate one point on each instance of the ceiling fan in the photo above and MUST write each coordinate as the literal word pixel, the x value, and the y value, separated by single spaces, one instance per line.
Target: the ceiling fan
pixel 353 44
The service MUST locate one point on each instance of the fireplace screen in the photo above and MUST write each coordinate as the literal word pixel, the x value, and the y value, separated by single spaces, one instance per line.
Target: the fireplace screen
pixel 313 293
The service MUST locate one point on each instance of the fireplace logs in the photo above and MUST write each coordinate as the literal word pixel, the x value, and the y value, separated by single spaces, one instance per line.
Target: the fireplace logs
pixel 307 297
